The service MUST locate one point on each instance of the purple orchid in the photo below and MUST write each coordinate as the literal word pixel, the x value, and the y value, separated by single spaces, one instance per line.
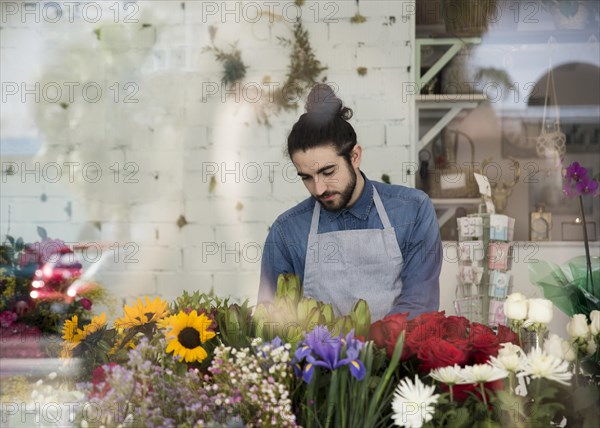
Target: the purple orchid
pixel 319 348
pixel 586 186
pixel 575 172
pixel 577 181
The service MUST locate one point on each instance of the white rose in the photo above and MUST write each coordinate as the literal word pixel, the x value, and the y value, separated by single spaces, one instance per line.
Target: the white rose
pixel 560 348
pixel 553 345
pixel 578 326
pixel 515 307
pixel 539 311
pixel 591 347
pixel 595 325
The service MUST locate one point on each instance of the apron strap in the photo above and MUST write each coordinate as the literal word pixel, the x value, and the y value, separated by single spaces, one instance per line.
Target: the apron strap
pixel 381 210
pixel 314 224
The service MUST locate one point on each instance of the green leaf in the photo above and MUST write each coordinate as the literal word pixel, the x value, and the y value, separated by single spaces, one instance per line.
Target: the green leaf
pixel 42 233
pixel 11 240
pixel 19 245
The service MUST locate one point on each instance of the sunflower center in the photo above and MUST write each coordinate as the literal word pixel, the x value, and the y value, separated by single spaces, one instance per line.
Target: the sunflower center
pixel 189 338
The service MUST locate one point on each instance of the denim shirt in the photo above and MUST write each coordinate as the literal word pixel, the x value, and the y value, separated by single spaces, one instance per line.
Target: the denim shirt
pixel 413 217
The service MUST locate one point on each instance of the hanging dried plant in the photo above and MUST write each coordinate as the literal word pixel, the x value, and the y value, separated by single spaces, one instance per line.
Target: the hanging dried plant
pixel 304 67
pixel 234 68
pixel 357 18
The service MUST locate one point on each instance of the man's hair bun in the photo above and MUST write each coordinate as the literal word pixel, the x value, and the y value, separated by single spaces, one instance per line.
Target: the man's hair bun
pixel 323 102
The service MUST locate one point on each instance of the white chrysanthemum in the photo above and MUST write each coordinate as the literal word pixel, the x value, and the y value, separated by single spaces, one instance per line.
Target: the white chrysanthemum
pixel 413 403
pixel 510 357
pixel 541 365
pixel 509 362
pixel 509 349
pixel 481 373
pixel 449 375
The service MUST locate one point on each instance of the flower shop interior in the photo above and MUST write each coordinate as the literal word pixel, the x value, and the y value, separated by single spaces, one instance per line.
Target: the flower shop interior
pixel 144 161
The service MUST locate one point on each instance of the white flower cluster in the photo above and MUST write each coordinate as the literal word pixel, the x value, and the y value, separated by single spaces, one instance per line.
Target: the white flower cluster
pixel 257 381
pixel 511 360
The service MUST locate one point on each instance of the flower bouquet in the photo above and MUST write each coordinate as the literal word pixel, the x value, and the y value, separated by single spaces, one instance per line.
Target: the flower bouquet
pixel 40 287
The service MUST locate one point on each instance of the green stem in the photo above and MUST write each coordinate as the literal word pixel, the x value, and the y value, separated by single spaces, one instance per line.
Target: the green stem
pixel 540 336
pixel 484 400
pixel 451 392
pixel 577 370
pixel 511 383
pixel 587 248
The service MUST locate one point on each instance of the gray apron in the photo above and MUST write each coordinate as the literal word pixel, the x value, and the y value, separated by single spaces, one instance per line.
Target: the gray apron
pixel 345 266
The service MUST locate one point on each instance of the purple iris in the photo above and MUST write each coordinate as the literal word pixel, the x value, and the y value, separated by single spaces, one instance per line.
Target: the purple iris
pixel 319 348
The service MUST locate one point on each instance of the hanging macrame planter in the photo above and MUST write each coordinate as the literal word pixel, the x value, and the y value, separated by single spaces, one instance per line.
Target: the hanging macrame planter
pixel 551 143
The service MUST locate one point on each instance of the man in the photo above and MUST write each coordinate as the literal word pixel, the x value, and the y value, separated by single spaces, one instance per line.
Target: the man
pixel 353 238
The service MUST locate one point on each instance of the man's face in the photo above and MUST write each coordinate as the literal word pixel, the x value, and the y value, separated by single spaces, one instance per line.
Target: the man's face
pixel 327 176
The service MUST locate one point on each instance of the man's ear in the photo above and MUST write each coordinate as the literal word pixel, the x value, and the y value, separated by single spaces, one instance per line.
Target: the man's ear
pixel 356 156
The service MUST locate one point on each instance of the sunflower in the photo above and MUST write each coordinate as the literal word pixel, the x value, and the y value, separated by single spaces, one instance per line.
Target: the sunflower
pixel 140 314
pixel 74 335
pixel 97 324
pixel 70 329
pixel 188 332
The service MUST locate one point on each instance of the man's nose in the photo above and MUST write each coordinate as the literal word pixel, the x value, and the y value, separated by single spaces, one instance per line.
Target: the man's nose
pixel 320 186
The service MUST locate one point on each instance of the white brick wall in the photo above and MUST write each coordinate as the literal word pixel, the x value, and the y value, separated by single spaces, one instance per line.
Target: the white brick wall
pixel 173 136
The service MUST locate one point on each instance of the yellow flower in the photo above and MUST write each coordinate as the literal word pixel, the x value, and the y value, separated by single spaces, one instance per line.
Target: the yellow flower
pixel 70 329
pixel 188 332
pixel 140 314
pixel 95 325
pixel 74 336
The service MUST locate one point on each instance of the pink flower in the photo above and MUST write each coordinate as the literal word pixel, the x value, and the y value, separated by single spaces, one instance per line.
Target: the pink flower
pixel 86 303
pixel 42 252
pixel 7 318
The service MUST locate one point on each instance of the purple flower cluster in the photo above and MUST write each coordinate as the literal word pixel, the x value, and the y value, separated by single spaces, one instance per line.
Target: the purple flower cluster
pixel 578 182
pixel 320 348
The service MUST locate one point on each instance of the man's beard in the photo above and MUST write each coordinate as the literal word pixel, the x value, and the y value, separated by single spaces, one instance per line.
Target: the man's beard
pixel 345 195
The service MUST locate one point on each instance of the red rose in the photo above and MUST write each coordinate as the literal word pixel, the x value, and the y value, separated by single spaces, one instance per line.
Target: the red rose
pixel 429 317
pixel 86 303
pixel 454 328
pixel 484 343
pixel 435 353
pixel 418 335
pixel 385 332
pixel 505 335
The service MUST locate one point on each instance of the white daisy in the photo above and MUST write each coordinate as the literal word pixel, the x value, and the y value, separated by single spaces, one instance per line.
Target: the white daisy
pixel 413 403
pixel 541 365
pixel 449 375
pixel 481 373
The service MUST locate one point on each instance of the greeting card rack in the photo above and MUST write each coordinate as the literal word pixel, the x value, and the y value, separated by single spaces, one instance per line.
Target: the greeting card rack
pixel 484 264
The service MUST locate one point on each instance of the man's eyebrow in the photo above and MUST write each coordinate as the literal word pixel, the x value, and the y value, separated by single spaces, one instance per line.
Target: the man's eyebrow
pixel 320 170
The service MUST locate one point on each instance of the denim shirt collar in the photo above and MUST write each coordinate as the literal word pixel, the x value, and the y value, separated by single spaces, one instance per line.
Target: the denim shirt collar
pixel 363 205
